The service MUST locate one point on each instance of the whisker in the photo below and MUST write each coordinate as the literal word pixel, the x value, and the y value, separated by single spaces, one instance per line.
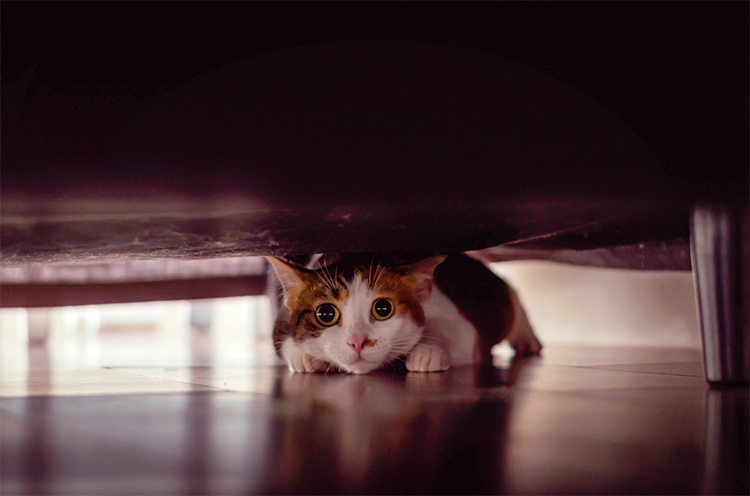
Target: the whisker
pixel 326 276
pixel 401 350
pixel 434 339
pixel 369 277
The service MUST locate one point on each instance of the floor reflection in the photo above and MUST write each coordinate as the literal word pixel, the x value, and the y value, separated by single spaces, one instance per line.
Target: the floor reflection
pixel 199 420
pixel 37 435
pixel 727 426
pixel 388 433
pixel 527 427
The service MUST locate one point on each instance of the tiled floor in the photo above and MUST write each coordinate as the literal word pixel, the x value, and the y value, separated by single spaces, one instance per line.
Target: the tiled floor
pixel 579 420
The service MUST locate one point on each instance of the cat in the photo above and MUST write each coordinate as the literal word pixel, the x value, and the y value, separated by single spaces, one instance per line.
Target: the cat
pixel 359 313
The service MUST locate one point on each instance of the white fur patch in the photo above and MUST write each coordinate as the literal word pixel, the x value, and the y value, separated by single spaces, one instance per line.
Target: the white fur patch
pixel 447 329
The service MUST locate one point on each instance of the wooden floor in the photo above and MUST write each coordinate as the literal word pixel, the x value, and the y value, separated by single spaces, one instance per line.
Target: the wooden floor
pixel 579 420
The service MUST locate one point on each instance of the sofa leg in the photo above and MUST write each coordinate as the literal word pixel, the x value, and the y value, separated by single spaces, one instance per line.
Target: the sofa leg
pixel 719 254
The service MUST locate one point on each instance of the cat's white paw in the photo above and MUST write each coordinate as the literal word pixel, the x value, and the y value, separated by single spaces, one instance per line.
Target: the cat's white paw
pixel 524 342
pixel 522 338
pixel 302 362
pixel 426 358
pixel 527 346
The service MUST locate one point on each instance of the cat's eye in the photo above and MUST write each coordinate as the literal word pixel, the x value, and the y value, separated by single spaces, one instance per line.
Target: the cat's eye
pixel 327 314
pixel 382 309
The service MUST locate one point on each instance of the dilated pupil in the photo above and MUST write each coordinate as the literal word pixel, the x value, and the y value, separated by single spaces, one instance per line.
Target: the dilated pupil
pixel 326 313
pixel 383 308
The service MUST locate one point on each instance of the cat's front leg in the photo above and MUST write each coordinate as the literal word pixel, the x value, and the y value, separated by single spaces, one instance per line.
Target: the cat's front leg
pixel 427 358
pixel 521 337
pixel 298 360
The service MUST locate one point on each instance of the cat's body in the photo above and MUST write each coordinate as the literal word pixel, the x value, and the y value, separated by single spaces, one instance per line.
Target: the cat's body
pixel 359 313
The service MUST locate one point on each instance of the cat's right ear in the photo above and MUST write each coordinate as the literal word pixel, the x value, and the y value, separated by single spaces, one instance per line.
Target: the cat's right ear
pixel 292 279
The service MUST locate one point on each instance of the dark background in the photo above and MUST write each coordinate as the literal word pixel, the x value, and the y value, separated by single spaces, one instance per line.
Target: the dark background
pixel 676 73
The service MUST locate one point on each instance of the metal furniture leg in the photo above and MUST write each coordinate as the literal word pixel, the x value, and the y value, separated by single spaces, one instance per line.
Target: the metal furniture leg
pixel 719 254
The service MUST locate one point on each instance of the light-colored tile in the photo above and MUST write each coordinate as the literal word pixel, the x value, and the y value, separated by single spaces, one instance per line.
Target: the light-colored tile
pixel 87 382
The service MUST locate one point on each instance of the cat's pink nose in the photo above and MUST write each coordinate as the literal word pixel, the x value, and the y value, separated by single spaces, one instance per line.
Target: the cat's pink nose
pixel 357 342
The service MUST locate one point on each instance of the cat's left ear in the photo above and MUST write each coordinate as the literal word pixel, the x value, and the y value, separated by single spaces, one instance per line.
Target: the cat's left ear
pixel 420 274
pixel 292 279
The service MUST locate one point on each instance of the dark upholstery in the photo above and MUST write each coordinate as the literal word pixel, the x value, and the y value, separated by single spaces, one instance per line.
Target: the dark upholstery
pixel 242 131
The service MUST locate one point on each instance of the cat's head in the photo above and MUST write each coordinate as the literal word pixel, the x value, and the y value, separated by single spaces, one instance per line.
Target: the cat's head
pixel 356 315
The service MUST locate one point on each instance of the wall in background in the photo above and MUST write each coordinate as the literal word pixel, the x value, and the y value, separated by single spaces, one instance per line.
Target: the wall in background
pixel 572 304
